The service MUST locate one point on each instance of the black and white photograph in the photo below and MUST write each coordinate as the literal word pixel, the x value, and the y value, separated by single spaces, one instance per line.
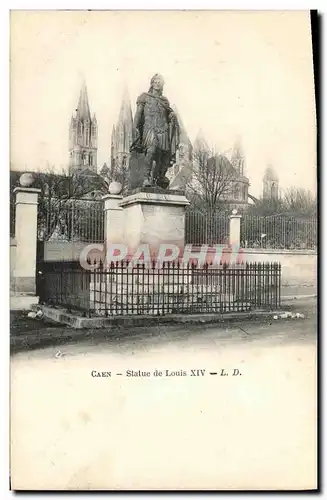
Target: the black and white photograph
pixel 163 250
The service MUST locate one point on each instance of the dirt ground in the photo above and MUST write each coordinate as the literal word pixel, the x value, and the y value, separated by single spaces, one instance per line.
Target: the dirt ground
pixel 73 430
pixel 27 334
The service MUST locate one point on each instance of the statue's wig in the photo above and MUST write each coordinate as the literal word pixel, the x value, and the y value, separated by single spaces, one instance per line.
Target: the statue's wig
pixel 155 77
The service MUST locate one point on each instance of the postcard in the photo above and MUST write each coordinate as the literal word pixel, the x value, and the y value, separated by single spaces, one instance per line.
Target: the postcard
pixel 163 251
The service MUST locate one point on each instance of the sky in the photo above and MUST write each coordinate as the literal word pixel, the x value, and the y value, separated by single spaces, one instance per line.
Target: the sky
pixel 233 74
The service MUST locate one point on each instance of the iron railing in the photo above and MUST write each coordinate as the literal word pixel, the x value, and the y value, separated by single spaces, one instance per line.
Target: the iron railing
pixel 279 232
pixel 64 283
pixel 148 289
pixel 71 220
pixel 206 228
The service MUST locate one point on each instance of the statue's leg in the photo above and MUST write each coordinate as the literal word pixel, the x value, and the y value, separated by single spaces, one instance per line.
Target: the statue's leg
pixel 149 158
pixel 163 159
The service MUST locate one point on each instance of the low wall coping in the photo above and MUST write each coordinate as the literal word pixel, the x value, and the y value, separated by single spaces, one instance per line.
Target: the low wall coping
pixel 275 251
pixel 71 243
pixel 282 251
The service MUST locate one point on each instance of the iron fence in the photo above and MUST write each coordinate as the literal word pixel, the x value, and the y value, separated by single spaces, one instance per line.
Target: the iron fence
pixel 71 220
pixel 206 228
pixel 122 289
pixel 279 232
pixel 65 284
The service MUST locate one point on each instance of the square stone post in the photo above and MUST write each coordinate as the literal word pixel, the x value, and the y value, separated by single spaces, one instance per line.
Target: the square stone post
pixel 26 239
pixel 234 229
pixel 114 219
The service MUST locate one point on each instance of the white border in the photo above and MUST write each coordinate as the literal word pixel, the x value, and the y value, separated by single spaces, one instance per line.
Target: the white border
pixel 4 184
pixel 166 5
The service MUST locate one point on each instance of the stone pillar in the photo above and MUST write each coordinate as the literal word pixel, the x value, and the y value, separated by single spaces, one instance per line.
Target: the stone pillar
pixel 25 236
pixel 235 228
pixel 154 218
pixel 114 215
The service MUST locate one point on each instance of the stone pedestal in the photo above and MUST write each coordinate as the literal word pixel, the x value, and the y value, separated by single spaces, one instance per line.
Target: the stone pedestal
pixel 114 225
pixel 26 239
pixel 154 218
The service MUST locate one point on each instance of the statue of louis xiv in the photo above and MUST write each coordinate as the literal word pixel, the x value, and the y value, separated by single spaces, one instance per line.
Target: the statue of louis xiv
pixel 155 133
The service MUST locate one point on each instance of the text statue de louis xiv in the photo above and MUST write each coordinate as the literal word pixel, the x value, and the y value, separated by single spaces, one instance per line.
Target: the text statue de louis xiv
pixel 155 138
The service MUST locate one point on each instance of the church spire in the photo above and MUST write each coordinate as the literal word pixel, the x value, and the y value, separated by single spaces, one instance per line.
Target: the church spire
pixel 200 143
pixel 83 136
pixel 122 134
pixel 83 108
pixel 125 114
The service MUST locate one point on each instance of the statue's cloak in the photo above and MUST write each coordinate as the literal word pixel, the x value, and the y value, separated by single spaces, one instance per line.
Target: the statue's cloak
pixel 159 126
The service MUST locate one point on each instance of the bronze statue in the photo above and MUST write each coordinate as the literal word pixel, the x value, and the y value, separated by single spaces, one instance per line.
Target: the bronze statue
pixel 156 133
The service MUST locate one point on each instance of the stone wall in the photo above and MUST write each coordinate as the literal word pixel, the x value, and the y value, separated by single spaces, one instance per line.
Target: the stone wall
pixel 12 260
pixel 63 250
pixel 299 267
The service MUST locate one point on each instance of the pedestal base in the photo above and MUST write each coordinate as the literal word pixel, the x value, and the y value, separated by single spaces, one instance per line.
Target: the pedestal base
pixel 20 302
pixel 24 284
pixel 154 218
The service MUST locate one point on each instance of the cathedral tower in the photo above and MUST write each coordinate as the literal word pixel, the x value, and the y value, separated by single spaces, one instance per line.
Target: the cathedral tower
pixel 237 158
pixel 270 184
pixel 83 137
pixel 122 134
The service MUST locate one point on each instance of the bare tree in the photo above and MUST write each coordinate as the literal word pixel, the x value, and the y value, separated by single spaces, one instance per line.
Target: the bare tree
pixel 266 207
pixel 117 173
pixel 59 192
pixel 293 202
pixel 299 201
pixel 212 182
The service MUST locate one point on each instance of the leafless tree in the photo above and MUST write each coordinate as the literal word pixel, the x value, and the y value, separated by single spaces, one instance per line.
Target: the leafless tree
pixel 118 173
pixel 265 207
pixel 293 201
pixel 58 193
pixel 212 182
pixel 299 201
